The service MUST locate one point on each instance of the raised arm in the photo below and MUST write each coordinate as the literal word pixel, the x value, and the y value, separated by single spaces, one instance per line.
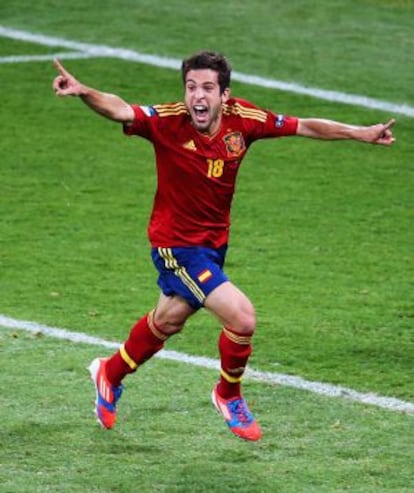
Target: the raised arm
pixel 316 128
pixel 107 105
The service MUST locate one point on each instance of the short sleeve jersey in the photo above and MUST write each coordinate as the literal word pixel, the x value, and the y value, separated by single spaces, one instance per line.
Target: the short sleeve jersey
pixel 196 173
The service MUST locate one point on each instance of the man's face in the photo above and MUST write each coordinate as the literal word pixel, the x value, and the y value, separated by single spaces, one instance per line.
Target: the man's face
pixel 203 99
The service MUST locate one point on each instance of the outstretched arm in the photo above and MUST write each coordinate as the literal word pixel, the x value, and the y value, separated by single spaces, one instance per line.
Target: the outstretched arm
pixel 315 128
pixel 108 105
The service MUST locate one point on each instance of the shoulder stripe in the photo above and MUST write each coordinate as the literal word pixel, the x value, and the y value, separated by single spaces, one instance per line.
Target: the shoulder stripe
pixel 252 113
pixel 244 112
pixel 170 109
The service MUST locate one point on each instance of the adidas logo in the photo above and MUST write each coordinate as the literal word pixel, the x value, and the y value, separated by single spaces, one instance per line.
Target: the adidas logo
pixel 190 145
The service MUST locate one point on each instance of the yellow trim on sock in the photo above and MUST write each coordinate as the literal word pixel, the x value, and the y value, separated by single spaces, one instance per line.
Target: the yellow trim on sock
pixel 229 378
pixel 238 339
pixel 150 319
pixel 127 358
pixel 181 272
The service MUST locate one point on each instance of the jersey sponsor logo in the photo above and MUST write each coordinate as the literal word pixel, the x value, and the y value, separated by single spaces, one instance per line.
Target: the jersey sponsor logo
pixel 205 275
pixel 280 121
pixel 190 145
pixel 234 144
pixel 149 110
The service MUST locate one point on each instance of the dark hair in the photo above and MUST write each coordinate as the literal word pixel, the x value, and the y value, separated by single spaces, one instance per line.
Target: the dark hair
pixel 209 60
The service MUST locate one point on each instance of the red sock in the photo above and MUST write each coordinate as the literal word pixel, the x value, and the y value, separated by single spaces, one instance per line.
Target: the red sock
pixel 235 350
pixel 145 339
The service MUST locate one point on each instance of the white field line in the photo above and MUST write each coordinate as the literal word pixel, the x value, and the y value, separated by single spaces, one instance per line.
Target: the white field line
pixel 389 403
pixel 74 55
pixel 85 50
pixel 173 63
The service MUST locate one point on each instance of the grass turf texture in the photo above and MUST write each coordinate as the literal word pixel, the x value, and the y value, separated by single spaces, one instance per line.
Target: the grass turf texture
pixel 361 46
pixel 169 438
pixel 322 243
pixel 326 265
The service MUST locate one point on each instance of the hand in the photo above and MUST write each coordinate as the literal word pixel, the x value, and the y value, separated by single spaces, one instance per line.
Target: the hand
pixel 65 84
pixel 380 133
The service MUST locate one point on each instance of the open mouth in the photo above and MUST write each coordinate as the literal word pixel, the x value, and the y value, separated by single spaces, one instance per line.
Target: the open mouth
pixel 200 112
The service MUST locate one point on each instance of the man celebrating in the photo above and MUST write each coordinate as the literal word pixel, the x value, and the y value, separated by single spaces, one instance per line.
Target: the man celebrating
pixel 199 145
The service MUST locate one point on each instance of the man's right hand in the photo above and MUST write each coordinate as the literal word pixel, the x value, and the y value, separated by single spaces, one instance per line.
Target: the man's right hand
pixel 108 105
pixel 65 84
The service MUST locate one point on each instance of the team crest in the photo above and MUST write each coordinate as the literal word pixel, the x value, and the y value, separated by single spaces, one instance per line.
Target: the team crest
pixel 234 144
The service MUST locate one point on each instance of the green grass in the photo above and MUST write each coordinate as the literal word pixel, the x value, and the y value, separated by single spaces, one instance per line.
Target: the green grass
pixel 321 241
pixel 169 439
pixel 361 46
pixel 328 265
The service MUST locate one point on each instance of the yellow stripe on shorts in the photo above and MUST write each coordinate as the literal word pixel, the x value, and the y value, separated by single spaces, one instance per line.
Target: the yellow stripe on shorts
pixel 181 272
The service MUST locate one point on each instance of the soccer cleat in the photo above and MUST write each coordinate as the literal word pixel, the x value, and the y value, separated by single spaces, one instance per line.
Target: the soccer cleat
pixel 107 394
pixel 237 416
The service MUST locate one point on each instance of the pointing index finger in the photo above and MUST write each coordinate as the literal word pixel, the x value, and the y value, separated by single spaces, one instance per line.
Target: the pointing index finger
pixel 389 124
pixel 59 67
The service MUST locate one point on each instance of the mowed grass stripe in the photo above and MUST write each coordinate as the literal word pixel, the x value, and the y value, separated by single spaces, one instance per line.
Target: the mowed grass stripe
pixel 389 403
pixel 173 63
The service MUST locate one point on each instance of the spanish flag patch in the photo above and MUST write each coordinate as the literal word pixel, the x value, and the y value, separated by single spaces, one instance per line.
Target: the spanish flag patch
pixel 204 275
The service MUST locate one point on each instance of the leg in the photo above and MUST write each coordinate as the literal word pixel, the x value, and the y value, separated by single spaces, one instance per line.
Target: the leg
pixel 236 312
pixel 233 308
pixel 171 313
pixel 146 338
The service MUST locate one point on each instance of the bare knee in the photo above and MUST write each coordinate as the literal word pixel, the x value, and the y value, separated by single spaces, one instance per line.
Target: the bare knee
pixel 169 326
pixel 244 321
pixel 171 314
pixel 233 308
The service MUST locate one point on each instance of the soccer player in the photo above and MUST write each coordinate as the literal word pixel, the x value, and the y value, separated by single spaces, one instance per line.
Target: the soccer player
pixel 199 145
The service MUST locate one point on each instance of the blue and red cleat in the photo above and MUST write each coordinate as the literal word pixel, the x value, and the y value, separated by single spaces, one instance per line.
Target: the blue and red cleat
pixel 107 394
pixel 237 416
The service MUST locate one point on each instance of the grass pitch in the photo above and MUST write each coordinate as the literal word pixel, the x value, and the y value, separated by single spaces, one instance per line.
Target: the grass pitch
pixel 321 241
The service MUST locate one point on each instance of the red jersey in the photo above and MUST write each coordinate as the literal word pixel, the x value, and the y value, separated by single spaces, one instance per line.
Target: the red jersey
pixel 197 173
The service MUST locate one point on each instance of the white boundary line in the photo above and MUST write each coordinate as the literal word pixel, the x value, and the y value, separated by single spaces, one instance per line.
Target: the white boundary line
pixel 165 62
pixel 74 55
pixel 389 403
pixel 84 50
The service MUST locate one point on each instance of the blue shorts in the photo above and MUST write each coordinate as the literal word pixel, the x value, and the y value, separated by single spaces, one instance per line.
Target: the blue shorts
pixel 190 272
